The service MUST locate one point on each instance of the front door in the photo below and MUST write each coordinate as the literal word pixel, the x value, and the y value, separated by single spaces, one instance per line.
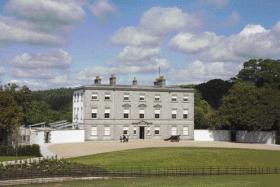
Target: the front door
pixel 142 132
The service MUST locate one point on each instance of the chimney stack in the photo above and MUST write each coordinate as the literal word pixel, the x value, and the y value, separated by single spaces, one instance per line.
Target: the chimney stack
pixel 134 82
pixel 160 81
pixel 113 80
pixel 97 80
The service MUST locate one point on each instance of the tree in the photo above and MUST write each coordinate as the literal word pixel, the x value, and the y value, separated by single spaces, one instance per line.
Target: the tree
pixel 214 90
pixel 247 107
pixel 261 72
pixel 203 112
pixel 10 117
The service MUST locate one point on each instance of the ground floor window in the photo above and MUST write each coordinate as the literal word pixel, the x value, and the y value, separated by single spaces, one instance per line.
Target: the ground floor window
pixel 134 131
pixel 174 131
pixel 157 129
pixel 186 131
pixel 93 131
pixel 148 131
pixel 125 130
pixel 107 131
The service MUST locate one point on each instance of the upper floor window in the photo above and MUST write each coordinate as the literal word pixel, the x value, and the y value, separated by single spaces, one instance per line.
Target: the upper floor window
pixel 174 114
pixel 126 97
pixel 107 113
pixel 74 98
pixel 94 96
pixel 174 98
pixel 157 98
pixel 125 113
pixel 107 97
pixel 142 98
pixel 94 113
pixel 185 114
pixel 141 113
pixel 81 117
pixel 185 98
pixel 157 113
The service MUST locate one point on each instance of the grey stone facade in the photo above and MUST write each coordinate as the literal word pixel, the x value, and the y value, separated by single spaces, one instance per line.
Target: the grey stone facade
pixel 166 110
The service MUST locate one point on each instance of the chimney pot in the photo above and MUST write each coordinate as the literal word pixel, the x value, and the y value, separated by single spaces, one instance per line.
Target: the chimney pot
pixel 113 80
pixel 97 80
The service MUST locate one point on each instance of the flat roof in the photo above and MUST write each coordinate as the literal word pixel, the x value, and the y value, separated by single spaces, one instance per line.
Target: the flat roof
pixel 135 88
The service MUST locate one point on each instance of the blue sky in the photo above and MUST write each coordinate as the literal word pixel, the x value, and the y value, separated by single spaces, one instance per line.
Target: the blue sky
pixel 56 43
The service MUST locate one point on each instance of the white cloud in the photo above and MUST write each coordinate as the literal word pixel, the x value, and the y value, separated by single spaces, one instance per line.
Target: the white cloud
pixel 198 71
pixel 14 31
pixel 191 43
pixel 39 22
pixel 161 21
pixel 102 8
pixel 134 36
pixel 132 54
pixel 47 11
pixel 57 59
pixel 253 41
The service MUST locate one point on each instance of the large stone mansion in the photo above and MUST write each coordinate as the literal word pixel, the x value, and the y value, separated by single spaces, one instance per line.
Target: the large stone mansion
pixel 107 111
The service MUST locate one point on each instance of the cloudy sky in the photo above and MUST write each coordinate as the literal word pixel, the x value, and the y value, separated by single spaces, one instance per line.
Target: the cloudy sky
pixel 57 43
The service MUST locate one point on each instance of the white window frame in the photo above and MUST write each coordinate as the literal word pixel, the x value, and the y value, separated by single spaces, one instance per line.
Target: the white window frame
pixel 94 96
pixel 173 131
pixel 107 95
pixel 148 131
pixel 94 131
pixel 157 97
pixel 185 131
pixel 157 129
pixel 185 98
pixel 134 131
pixel 107 111
pixel 126 96
pixel 173 98
pixel 125 129
pixel 107 131
pixel 142 96
pixel 94 111
pixel 126 111
pixel 185 112
pixel 173 112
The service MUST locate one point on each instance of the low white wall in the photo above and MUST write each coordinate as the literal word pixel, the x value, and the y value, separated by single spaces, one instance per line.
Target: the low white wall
pixel 37 137
pixel 211 135
pixel 263 137
pixel 67 136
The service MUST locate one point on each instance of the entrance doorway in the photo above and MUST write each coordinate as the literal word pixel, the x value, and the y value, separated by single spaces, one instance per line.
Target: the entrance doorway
pixel 142 132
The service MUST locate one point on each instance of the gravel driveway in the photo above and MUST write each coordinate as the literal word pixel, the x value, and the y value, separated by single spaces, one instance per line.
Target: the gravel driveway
pixel 95 147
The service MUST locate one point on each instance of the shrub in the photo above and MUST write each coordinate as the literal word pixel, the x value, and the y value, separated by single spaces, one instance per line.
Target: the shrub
pixel 23 150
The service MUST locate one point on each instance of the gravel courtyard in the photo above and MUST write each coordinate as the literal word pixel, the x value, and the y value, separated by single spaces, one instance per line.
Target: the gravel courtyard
pixel 95 147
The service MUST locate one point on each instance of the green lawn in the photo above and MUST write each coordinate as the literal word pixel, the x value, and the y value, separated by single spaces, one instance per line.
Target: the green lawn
pixel 184 157
pixel 8 158
pixel 212 181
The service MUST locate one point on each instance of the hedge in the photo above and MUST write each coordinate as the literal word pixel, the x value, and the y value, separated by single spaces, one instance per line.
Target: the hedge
pixel 23 150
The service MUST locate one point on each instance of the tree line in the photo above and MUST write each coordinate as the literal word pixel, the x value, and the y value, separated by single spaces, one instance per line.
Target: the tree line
pixel 248 101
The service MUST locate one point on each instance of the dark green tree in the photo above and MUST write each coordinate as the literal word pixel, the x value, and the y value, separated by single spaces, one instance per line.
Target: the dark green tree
pixel 261 72
pixel 247 107
pixel 214 90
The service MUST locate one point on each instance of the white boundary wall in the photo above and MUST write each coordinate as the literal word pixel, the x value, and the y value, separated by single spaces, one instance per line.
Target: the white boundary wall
pixel 264 137
pixel 67 136
pixel 211 135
